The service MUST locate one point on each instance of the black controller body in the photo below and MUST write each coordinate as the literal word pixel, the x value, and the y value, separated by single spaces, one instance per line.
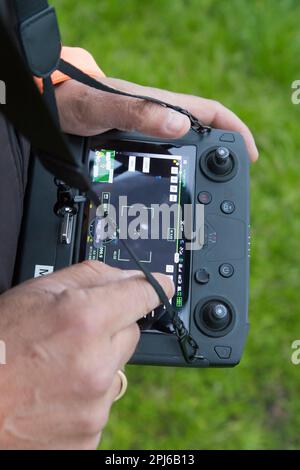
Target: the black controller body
pixel 217 301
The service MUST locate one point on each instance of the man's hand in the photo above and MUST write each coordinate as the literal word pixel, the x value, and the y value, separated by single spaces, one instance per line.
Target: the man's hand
pixel 87 111
pixel 67 335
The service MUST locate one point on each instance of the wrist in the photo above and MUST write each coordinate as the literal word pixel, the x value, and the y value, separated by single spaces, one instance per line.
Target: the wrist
pixel 78 57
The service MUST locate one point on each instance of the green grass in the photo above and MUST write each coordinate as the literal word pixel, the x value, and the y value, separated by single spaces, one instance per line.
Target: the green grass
pixel 244 54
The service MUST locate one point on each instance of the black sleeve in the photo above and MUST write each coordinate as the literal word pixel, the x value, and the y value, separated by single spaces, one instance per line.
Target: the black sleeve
pixel 14 157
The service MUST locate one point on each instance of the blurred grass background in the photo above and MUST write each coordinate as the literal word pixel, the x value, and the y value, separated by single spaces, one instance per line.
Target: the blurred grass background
pixel 244 53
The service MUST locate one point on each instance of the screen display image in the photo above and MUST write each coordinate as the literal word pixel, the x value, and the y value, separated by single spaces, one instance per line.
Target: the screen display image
pixel 136 185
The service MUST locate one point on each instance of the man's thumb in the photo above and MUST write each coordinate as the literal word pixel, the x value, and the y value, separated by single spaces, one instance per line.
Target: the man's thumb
pixel 153 119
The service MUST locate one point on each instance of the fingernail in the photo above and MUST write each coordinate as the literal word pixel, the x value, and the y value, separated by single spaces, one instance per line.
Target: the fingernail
pixel 175 122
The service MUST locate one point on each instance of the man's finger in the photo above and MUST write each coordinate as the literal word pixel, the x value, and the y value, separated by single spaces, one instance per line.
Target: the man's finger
pixel 208 111
pixel 111 111
pixel 123 303
pixel 124 344
pixel 83 275
pixel 218 116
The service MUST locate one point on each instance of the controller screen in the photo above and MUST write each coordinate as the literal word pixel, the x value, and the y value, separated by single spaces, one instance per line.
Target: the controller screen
pixel 136 186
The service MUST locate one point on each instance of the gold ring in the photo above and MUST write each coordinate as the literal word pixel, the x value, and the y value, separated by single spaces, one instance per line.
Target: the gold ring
pixel 124 385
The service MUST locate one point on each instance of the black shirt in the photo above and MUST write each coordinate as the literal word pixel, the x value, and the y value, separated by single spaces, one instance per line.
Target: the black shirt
pixel 14 158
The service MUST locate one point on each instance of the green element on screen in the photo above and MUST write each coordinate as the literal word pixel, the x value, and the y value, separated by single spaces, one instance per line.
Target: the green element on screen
pixel 184 176
pixel 103 169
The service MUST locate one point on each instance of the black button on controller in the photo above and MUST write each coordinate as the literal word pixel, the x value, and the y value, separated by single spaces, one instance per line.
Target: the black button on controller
pixel 227 137
pixel 204 197
pixel 223 352
pixel 227 207
pixel 202 276
pixel 226 270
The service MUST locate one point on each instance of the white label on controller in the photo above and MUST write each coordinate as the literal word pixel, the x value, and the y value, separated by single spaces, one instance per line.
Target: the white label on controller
pixel 42 270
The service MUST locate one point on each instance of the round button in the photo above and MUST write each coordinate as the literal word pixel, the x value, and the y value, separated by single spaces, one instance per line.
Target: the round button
pixel 227 207
pixel 222 154
pixel 202 276
pixel 226 270
pixel 219 311
pixel 204 197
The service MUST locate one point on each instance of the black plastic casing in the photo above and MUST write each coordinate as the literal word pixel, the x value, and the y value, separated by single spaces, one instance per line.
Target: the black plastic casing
pixel 227 240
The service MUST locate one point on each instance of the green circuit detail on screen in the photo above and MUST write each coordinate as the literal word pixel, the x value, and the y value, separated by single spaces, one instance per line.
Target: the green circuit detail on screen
pixel 103 168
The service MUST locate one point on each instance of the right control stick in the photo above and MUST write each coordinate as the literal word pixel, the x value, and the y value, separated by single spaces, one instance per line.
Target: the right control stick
pixel 220 162
pixel 216 315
